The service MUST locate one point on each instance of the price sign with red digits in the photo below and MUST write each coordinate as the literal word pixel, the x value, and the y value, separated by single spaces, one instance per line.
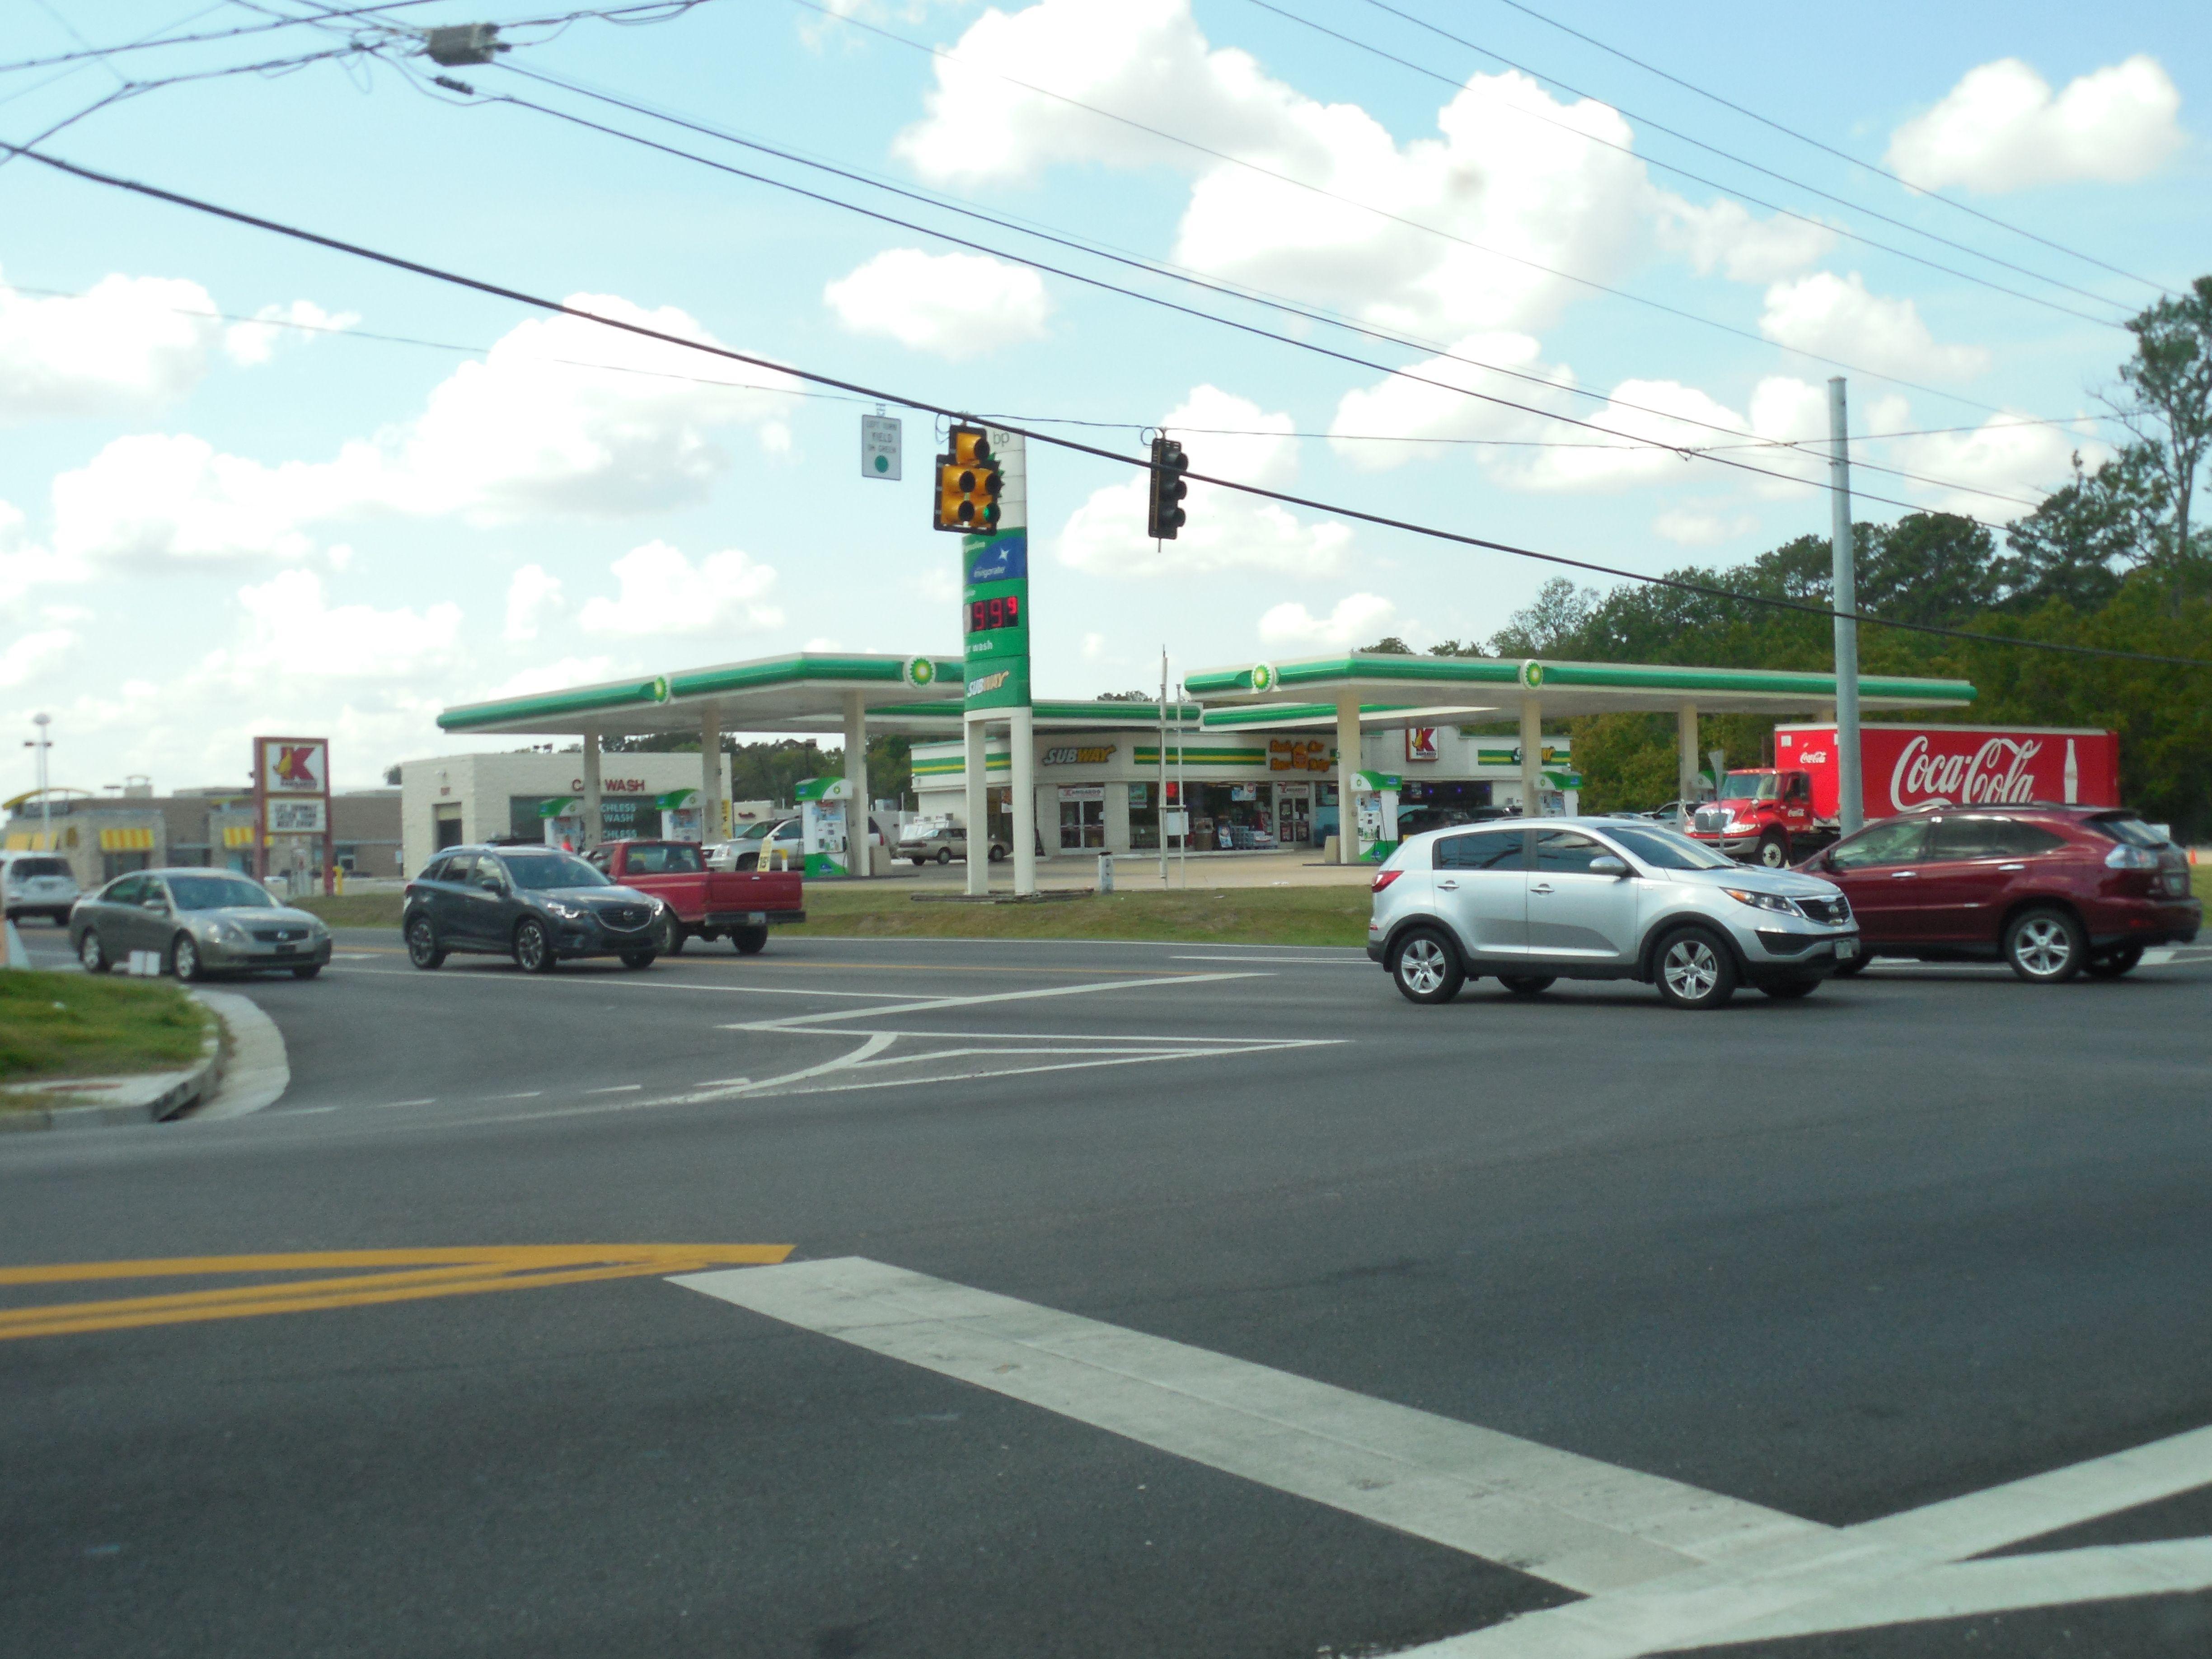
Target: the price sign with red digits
pixel 1004 611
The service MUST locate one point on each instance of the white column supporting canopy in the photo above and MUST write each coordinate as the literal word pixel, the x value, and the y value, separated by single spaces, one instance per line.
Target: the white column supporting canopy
pixel 594 828
pixel 711 827
pixel 1021 753
pixel 1532 758
pixel 857 815
pixel 1347 777
pixel 974 734
pixel 1686 764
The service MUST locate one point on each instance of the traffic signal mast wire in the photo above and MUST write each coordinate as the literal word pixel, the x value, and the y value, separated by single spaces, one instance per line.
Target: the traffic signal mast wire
pixel 539 302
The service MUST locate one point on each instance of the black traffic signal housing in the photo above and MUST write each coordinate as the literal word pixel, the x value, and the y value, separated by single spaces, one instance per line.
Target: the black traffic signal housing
pixel 1164 514
pixel 967 484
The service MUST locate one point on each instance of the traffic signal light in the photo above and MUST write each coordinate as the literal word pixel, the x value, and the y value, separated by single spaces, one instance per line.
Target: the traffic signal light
pixel 1164 516
pixel 968 483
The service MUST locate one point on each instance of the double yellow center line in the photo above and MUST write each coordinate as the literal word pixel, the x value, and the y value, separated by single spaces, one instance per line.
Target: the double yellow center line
pixel 363 1278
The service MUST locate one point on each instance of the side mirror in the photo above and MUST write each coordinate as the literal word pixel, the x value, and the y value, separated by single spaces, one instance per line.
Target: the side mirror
pixel 491 883
pixel 1606 865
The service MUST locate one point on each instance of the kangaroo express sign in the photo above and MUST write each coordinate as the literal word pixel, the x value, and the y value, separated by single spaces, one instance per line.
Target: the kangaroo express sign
pixel 291 791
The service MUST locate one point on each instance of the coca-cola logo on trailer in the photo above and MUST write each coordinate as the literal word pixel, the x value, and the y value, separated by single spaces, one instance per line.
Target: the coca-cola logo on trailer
pixel 1996 773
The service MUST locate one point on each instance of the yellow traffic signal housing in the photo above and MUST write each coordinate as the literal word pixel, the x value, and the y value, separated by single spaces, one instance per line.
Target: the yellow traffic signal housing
pixel 968 483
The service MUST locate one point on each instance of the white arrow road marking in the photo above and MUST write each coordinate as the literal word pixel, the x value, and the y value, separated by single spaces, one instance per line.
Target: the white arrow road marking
pixel 929 1004
pixel 1577 1521
pixel 1664 1565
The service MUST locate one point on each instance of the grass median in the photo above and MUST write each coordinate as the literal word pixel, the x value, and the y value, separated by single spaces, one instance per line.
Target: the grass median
pixel 1237 915
pixel 61 1025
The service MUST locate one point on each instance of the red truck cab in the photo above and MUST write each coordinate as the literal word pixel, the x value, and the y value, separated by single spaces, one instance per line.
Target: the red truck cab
pixel 1765 815
pixel 703 904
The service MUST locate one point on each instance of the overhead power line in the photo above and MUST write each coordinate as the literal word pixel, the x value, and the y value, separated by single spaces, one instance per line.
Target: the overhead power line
pixel 1840 155
pixel 539 302
pixel 939 53
pixel 1457 84
pixel 1686 451
pixel 89 52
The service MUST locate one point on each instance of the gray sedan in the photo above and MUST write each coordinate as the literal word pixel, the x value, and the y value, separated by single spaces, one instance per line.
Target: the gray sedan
pixel 198 923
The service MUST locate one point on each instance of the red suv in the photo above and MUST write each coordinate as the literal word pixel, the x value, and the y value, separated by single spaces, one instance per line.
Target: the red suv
pixel 2051 891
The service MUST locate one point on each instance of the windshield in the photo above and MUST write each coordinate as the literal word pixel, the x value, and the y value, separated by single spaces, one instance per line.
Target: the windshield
pixel 219 893
pixel 2132 830
pixel 538 872
pixel 1750 786
pixel 38 867
pixel 1665 850
pixel 754 831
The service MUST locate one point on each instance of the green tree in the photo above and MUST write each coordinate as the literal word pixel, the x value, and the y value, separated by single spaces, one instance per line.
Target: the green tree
pixel 1389 646
pixel 2168 400
pixel 2075 548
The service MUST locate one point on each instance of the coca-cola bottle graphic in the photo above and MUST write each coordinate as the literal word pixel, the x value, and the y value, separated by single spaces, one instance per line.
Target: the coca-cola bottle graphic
pixel 2073 776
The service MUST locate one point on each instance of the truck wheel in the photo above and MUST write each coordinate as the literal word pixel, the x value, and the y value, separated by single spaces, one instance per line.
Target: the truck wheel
pixel 533 950
pixel 422 947
pixel 1425 967
pixel 674 935
pixel 2045 945
pixel 1697 970
pixel 749 941
pixel 1774 850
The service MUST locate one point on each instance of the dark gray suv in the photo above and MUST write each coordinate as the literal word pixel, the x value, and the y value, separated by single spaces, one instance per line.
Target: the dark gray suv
pixel 539 905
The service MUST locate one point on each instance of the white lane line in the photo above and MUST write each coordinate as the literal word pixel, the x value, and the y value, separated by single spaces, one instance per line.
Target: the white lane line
pixel 1283 962
pixel 1578 1522
pixel 934 1003
pixel 1089 1063
pixel 526 1094
pixel 386 1105
pixel 723 1083
pixel 618 1089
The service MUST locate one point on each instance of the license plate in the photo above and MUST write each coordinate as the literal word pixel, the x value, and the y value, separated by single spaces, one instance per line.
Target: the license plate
pixel 285 950
pixel 1846 949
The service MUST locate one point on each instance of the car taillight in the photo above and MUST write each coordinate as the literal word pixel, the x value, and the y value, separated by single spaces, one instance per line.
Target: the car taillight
pixel 2125 857
pixel 1384 877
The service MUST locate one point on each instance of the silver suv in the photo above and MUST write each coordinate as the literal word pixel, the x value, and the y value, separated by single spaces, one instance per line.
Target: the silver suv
pixel 1599 898
pixel 37 883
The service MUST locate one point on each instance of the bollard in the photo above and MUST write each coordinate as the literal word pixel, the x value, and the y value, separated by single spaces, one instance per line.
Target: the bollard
pixel 1105 872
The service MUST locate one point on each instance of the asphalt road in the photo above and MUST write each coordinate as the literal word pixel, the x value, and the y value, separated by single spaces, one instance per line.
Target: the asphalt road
pixel 1745 1288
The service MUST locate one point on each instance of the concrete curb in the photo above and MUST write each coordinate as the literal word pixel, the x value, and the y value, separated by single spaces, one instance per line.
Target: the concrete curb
pixel 256 1069
pixel 162 1096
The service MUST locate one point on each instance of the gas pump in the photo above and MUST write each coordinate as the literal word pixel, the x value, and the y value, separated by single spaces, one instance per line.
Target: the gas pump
pixel 680 815
pixel 822 808
pixel 1376 805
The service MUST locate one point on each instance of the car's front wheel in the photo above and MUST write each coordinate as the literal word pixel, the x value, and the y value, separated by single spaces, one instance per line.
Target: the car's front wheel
pixel 1696 969
pixel 92 954
pixel 184 958
pixel 422 947
pixel 2113 963
pixel 534 947
pixel 1425 967
pixel 998 853
pixel 2046 946
pixel 308 970
pixel 640 958
pixel 944 855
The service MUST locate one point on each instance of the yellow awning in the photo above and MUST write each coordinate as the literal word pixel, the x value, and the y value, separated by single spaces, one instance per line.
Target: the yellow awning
pixel 32 842
pixel 126 840
pixel 238 835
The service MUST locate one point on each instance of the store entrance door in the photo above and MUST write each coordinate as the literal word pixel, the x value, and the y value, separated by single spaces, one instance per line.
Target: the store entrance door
pixel 1082 820
pixel 1293 814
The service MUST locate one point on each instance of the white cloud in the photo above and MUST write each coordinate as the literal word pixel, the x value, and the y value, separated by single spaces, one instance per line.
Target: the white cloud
pixel 2000 128
pixel 1094 647
pixel 1832 316
pixel 123 347
pixel 553 676
pixel 2005 454
pixel 1509 191
pixel 957 305
pixel 532 595
pixel 1355 619
pixel 1722 235
pixel 561 417
pixel 1693 526
pixel 34 652
pixel 1227 529
pixel 662 592
pixel 256 341
pixel 294 632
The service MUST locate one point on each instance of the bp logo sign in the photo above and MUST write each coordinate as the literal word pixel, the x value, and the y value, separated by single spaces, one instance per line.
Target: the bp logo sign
pixel 1263 677
pixel 1532 674
pixel 920 672
pixel 660 688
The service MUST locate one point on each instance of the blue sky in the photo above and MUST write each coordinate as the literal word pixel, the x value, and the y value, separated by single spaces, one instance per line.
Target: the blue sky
pixel 209 530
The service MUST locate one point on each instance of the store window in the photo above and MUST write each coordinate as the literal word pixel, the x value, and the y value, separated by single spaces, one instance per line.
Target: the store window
pixel 526 816
pixel 112 865
pixel 1232 817
pixel 1144 817
pixel 446 828
pixel 1082 817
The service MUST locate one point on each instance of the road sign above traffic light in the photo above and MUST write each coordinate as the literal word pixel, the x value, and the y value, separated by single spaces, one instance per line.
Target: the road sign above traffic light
pixel 1164 515
pixel 967 484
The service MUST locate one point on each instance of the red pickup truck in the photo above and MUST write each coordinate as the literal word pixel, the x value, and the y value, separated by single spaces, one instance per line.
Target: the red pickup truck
pixel 703 904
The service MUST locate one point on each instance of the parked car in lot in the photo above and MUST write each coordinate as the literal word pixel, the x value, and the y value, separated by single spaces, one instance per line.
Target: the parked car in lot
pixel 777 842
pixel 940 844
pixel 2050 890
pixel 37 884
pixel 699 903
pixel 1419 820
pixel 539 905
pixel 200 921
pixel 1533 903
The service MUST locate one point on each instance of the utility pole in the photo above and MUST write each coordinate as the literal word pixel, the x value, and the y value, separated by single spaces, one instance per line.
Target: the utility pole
pixel 1851 803
pixel 46 800
pixel 1162 801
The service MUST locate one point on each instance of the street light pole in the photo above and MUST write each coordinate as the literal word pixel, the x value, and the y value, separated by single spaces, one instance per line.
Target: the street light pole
pixel 1851 810
pixel 46 800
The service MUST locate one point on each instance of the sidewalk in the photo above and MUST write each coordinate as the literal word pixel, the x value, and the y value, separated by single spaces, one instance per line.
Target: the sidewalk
pixel 1139 873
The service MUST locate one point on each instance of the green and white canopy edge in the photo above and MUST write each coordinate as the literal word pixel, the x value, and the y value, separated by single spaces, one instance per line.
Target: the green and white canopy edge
pixel 1365 692
pixel 918 697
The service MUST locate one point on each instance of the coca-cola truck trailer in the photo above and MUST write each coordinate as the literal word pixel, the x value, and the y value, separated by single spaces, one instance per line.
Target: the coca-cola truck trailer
pixel 1778 814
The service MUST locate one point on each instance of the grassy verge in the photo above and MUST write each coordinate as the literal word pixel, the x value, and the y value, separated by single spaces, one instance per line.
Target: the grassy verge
pixel 55 1025
pixel 1241 915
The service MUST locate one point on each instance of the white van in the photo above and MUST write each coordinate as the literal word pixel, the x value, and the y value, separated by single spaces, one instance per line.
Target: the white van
pixel 37 884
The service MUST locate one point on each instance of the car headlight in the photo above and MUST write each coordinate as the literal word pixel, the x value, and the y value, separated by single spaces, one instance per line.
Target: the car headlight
pixel 225 931
pixel 1773 902
pixel 566 912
